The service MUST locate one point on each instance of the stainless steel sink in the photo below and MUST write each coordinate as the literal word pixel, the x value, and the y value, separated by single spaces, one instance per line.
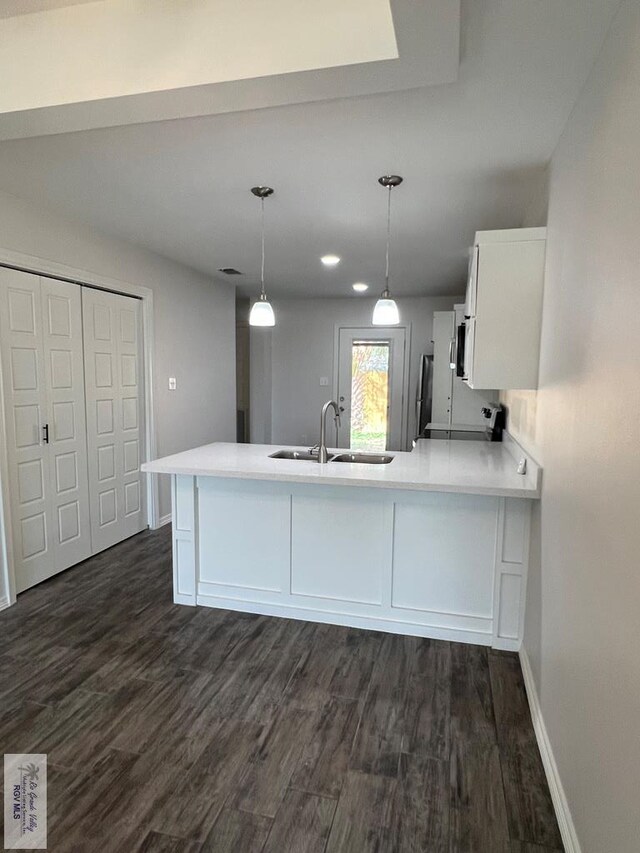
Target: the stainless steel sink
pixel 364 458
pixel 299 455
pixel 357 458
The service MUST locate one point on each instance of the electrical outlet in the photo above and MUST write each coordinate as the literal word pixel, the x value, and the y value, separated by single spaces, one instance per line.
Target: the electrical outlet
pixel 172 383
pixel 324 381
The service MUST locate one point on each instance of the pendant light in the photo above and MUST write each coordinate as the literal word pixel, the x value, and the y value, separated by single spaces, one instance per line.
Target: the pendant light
pixel 385 312
pixel 261 311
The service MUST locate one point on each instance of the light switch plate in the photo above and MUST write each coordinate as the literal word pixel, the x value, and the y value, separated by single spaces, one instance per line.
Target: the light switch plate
pixel 324 380
pixel 172 383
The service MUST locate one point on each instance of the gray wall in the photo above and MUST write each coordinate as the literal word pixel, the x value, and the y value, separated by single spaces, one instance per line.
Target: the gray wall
pixel 522 410
pixel 583 625
pixel 194 323
pixel 260 379
pixel 288 361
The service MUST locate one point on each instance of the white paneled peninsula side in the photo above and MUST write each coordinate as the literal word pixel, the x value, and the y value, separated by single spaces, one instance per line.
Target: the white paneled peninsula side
pixel 434 544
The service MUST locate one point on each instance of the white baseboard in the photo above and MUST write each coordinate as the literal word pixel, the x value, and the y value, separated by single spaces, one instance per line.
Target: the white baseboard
pixel 560 804
pixel 4 602
pixel 164 519
pixel 337 617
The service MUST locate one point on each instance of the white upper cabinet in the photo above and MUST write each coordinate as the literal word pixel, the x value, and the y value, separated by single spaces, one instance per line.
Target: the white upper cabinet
pixel 503 309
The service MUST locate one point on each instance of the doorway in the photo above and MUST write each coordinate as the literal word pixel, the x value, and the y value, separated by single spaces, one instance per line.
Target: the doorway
pixel 371 388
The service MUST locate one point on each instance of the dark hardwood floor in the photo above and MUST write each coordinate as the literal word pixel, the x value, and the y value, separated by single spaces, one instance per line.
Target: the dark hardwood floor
pixel 172 728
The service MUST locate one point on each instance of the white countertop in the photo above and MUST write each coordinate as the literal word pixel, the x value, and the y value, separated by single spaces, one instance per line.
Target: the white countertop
pixel 467 467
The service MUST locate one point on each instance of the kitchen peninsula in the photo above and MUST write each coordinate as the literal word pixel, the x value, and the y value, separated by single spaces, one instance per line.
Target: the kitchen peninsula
pixel 434 544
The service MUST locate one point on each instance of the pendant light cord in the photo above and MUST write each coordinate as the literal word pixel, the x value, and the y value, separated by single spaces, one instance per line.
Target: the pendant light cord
pixel 386 287
pixel 262 291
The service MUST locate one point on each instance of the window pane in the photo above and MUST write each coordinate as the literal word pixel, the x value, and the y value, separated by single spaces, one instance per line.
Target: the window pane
pixel 369 395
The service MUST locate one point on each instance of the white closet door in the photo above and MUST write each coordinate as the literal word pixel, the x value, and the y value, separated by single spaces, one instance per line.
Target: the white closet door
pixel 23 380
pixel 64 367
pixel 43 382
pixel 115 429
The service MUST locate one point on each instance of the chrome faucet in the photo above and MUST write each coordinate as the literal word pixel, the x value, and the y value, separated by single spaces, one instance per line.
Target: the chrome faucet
pixel 323 456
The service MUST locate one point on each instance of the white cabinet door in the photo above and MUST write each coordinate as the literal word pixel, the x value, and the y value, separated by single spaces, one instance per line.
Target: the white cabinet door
pixel 472 285
pixel 503 334
pixel 469 348
pixel 115 430
pixel 64 369
pixel 43 382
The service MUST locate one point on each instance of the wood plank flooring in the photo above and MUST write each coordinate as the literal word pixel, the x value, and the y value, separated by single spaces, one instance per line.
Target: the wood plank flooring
pixel 188 730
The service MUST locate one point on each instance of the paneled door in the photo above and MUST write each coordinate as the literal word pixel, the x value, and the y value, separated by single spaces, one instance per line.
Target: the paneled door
pixel 43 386
pixel 115 428
pixel 67 433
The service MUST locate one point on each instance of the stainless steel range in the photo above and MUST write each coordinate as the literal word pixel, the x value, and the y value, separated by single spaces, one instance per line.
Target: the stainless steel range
pixel 492 431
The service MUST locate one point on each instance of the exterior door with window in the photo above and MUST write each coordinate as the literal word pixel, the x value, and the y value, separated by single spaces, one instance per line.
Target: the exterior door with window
pixel 371 389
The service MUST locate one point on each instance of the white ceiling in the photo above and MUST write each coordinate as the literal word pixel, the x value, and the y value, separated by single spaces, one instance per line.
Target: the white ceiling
pixel 9 8
pixel 471 153
pixel 116 62
pixel 120 49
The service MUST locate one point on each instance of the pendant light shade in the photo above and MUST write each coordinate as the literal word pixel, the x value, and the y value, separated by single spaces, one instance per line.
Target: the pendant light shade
pixel 261 313
pixel 386 311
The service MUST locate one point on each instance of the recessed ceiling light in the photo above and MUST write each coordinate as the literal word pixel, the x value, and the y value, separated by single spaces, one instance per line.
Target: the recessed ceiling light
pixel 360 287
pixel 330 260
